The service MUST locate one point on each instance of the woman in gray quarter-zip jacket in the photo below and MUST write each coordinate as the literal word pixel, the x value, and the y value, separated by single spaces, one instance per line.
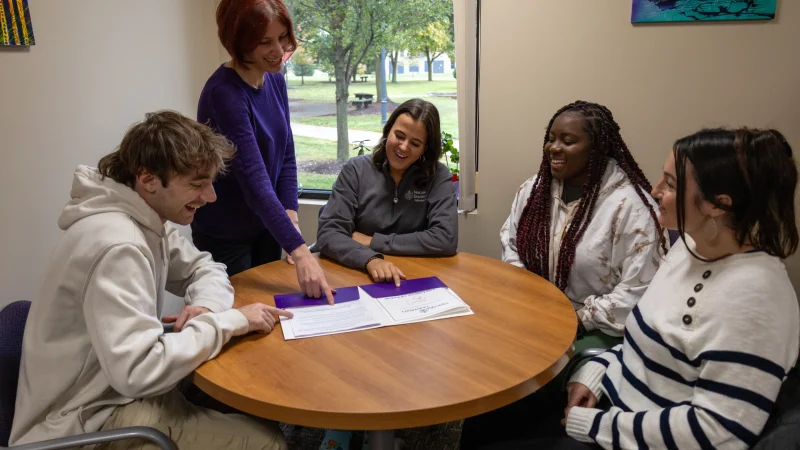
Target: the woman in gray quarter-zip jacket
pixel 399 200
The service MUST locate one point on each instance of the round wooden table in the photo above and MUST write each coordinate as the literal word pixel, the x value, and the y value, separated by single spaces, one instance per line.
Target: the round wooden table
pixel 401 376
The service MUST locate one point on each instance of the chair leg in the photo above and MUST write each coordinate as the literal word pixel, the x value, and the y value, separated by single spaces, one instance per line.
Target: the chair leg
pixel 384 440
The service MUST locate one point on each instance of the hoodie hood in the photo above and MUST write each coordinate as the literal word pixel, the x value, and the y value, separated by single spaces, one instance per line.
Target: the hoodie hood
pixel 92 194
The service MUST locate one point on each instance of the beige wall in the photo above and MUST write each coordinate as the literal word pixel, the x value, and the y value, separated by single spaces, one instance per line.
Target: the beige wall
pixel 97 66
pixel 660 81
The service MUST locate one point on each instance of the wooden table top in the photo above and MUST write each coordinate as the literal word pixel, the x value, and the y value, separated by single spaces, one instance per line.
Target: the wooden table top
pixel 400 376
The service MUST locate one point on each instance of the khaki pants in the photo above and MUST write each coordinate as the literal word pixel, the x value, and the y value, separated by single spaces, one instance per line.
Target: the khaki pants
pixel 192 427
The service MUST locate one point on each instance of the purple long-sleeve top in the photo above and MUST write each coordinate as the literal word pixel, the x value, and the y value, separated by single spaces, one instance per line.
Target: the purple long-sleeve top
pixel 261 183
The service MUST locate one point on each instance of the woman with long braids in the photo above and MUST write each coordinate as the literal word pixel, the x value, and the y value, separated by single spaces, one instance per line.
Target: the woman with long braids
pixel 586 221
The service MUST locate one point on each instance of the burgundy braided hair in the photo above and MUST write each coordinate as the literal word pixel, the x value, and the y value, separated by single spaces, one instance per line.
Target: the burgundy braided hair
pixel 533 231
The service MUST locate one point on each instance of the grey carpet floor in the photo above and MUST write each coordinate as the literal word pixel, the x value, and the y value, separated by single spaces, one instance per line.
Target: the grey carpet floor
pixel 437 437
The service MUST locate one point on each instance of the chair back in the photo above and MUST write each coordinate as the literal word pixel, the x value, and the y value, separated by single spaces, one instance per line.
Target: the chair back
pixel 314 248
pixel 12 327
pixel 782 431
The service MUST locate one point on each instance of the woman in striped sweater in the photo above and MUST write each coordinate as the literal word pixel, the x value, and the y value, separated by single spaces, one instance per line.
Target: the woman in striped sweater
pixel 708 346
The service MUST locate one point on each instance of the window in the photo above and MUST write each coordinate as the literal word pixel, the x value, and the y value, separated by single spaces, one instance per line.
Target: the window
pixel 398 39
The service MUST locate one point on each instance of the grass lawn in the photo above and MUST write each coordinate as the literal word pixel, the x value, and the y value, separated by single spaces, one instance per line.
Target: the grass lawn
pixel 448 114
pixel 366 122
pixel 315 149
pixel 317 89
pixel 315 180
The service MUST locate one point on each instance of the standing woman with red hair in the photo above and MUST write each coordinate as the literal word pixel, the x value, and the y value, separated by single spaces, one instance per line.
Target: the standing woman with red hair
pixel 255 215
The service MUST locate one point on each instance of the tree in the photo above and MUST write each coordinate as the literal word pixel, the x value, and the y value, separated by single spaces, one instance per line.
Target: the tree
pixel 345 33
pixel 342 32
pixel 400 35
pixel 433 41
pixel 302 64
pixel 327 67
pixel 399 41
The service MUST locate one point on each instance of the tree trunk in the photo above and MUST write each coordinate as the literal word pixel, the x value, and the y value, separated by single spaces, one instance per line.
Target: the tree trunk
pixel 395 56
pixel 342 137
pixel 354 76
pixel 430 65
pixel 302 80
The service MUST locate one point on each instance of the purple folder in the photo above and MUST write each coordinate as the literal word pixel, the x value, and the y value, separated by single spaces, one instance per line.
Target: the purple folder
pixel 348 294
pixel 381 290
pixel 296 300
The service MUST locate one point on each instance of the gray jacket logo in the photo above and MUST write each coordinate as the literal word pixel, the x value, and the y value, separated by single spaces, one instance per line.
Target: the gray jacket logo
pixel 417 196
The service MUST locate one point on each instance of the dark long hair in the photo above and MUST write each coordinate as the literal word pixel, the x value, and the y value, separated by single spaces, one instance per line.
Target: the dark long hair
pixel 756 169
pixel 533 231
pixel 427 113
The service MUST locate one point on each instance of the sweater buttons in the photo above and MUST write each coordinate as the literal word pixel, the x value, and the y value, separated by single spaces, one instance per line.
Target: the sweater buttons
pixel 698 287
pixel 691 302
pixel 687 320
pixel 706 274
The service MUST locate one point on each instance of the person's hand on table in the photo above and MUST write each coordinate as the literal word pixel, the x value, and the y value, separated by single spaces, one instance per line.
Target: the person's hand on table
pixel 578 395
pixel 261 317
pixel 383 271
pixel 188 313
pixel 310 275
pixel 362 239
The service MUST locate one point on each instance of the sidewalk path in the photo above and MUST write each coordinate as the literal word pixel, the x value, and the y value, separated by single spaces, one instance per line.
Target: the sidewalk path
pixel 311 109
pixel 329 133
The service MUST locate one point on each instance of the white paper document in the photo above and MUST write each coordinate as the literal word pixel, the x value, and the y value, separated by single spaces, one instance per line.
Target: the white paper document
pixel 426 305
pixel 319 320
pixel 370 306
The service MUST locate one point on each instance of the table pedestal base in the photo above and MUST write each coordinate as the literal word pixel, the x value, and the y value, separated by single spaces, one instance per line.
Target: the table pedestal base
pixel 384 440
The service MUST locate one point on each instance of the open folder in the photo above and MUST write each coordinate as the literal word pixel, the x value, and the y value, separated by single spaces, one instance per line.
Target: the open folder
pixel 370 306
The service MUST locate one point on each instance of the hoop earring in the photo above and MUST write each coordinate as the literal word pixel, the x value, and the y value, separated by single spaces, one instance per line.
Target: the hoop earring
pixel 422 158
pixel 713 234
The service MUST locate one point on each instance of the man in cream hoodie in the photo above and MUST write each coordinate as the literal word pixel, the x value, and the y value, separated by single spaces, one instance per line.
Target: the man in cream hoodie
pixel 95 355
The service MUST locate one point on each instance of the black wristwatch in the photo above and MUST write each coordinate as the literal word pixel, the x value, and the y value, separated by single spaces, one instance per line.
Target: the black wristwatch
pixel 376 256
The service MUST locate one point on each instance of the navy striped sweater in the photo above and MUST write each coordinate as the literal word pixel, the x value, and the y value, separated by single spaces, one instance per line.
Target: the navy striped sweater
pixel 705 353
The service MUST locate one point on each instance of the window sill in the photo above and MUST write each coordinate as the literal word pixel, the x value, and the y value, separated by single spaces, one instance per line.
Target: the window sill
pixel 312 201
pixel 315 194
pixel 320 202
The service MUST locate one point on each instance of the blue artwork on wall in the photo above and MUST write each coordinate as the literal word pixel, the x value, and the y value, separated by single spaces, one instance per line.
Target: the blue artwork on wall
pixel 702 10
